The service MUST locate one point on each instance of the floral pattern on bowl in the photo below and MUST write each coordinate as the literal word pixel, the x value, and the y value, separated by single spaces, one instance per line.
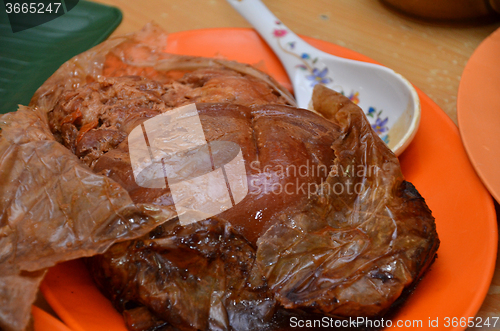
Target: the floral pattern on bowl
pixel 380 125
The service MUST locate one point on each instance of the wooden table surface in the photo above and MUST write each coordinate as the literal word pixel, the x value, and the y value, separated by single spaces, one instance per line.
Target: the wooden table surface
pixel 431 55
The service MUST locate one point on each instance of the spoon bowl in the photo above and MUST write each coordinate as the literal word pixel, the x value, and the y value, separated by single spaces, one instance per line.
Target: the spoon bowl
pixel 389 101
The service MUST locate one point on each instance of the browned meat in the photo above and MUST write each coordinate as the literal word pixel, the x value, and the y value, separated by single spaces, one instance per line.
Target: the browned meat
pixel 98 116
pixel 94 143
pixel 198 277
pixel 329 225
pixel 337 253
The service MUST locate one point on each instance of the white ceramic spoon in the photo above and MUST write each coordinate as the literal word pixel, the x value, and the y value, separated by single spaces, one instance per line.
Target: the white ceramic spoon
pixel 388 99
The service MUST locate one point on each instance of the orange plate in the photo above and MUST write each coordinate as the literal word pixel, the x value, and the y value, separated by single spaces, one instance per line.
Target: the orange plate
pixel 43 321
pixel 478 110
pixel 435 162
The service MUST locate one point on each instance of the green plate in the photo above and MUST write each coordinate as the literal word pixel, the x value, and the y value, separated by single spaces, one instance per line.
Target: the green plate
pixel 29 57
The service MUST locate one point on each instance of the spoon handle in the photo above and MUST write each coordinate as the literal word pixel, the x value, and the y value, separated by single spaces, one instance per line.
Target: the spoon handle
pixel 289 47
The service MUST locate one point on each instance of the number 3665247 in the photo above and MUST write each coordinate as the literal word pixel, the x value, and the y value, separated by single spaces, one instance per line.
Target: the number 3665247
pixel 32 8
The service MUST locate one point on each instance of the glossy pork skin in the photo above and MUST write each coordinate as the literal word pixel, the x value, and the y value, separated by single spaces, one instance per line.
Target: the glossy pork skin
pixel 269 136
pixel 290 243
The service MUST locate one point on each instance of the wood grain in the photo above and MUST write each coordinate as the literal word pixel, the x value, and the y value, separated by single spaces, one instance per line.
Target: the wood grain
pixel 431 55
